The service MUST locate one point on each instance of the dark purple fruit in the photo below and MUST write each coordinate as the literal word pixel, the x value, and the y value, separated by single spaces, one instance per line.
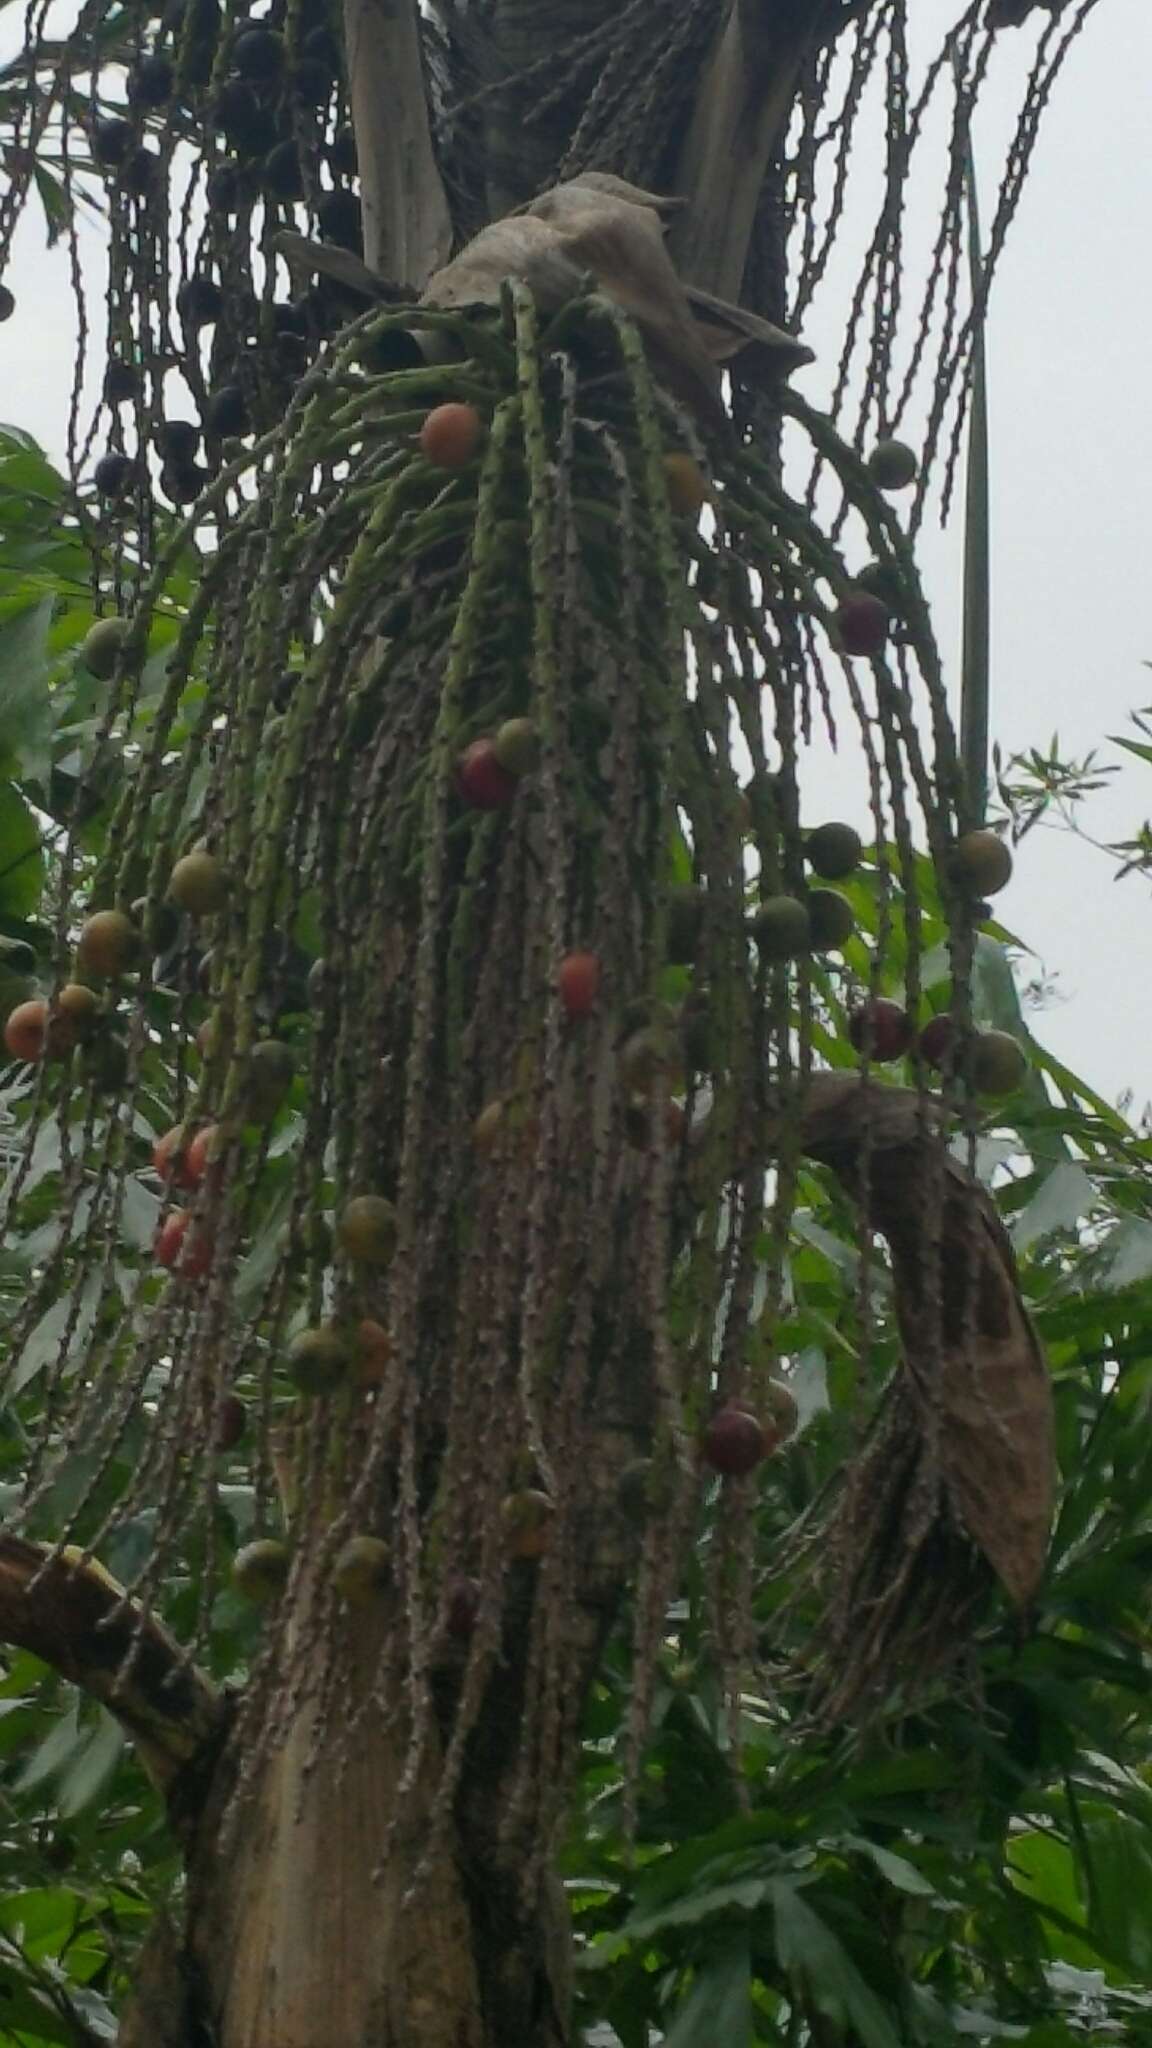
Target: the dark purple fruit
pixel 177 440
pixel 281 174
pixel 226 413
pixel 861 621
pixel 338 215
pixel 892 465
pixel 112 475
pixel 342 156
pixel 320 46
pixel 183 482
pixel 140 172
pixel 833 851
pixel 831 919
pixel 463 1607
pixel 937 1041
pixel 199 302
pixel 121 382
pixel 241 119
pixel 283 691
pixel 150 84
pixel 290 316
pixel 223 189
pixel 112 138
pixel 734 1443
pixel 7 303
pixel 882 1028
pixel 258 53
pixel 311 82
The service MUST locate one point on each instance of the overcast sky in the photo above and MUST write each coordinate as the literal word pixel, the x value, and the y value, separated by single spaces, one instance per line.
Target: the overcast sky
pixel 1071 435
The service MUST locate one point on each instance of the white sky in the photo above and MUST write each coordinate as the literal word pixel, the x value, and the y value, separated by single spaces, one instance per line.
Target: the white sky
pixel 1071 436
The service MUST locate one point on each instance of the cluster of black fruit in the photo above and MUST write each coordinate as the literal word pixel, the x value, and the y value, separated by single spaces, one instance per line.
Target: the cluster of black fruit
pixel 273 99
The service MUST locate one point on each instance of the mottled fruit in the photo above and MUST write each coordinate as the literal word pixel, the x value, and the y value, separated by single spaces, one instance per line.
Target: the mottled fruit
pixel 578 982
pixel 199 884
pixel 260 1570
pixel 109 944
pixel 881 1028
pixel 367 1229
pixel 450 435
pixel 782 928
pixel 997 1063
pixel 360 1569
pixel 892 465
pixel 100 648
pixel 861 621
pixel 982 862
pixel 482 779
pixel 833 851
pixel 734 1442
pixel 831 919
pixel 318 1360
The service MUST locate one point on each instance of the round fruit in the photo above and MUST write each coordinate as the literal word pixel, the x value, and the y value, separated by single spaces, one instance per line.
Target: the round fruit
pixel 463 1607
pixel 342 155
pixel 77 1009
pixel 100 648
pixel 644 1057
pixel 258 53
pixel 199 302
pixel 7 303
pixel 517 745
pixel 109 944
pixel 121 382
pixel 734 1442
pixel 882 1028
pixel 140 172
pixel 983 862
pixel 360 1569
pixel 190 1255
pixel 150 84
pixel 782 1410
pixel 638 1127
pixel 367 1230
pixel 782 928
pixel 861 621
pixel 318 1360
pixel 104 1063
pixel 339 218
pixel 226 412
pixel 231 1423
pixel 270 1073
pixel 482 779
pixel 260 1570
pixel 937 1040
pixel 830 916
pixel 997 1063
pixel 112 475
pixel 892 465
pixel 198 884
pixel 178 440
pixel 686 485
pixel 578 982
pixel 833 851
pixel 205 1150
pixel 183 485
pixel 26 1031
pixel 527 1517
pixel 687 904
pixel 882 580
pixel 111 140
pixel 487 1127
pixel 373 1348
pixel 450 435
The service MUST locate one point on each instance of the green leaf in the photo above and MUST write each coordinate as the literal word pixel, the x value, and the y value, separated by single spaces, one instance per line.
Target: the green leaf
pixel 719 2005
pixel 21 855
pixel 809 1950
pixel 90 1769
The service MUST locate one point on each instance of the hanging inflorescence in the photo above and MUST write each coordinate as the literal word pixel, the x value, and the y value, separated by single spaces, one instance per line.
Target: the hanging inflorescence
pixel 485 996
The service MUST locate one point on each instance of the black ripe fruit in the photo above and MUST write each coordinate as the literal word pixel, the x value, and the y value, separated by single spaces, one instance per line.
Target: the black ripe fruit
pixel 281 174
pixel 892 465
pixel 258 53
pixel 140 172
pixel 177 440
pixel 861 621
pixel 311 81
pixel 338 215
pixel 831 919
pixel 183 482
pixel 199 302
pixel 7 303
pixel 226 412
pixel 113 474
pixel 342 156
pixel 121 382
pixel 223 189
pixel 150 83
pixel 112 138
pixel 833 851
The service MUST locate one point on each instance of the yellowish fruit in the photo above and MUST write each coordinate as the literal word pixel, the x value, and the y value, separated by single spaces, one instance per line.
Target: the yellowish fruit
pixel 198 884
pixel 109 944
pixel 361 1569
pixel 260 1570
pixel 100 648
pixel 983 862
pixel 686 484
pixel 318 1360
pixel 527 1517
pixel 366 1229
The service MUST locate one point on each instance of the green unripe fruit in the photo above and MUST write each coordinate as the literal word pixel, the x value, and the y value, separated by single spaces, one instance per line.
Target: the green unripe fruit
pixel 782 928
pixel 833 851
pixel 997 1063
pixel 199 884
pixel 367 1230
pixel 831 919
pixel 318 1360
pixel 270 1073
pixel 361 1569
pixel 982 862
pixel 260 1570
pixel 517 745
pixel 100 648
pixel 892 465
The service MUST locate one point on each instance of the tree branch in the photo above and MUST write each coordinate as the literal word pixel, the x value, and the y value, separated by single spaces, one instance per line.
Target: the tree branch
pixel 73 1615
pixel 407 225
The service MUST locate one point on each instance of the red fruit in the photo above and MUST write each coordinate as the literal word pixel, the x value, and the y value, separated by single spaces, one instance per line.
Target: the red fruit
pixel 881 1026
pixel 937 1043
pixel 861 621
pixel 482 779
pixel 734 1442
pixel 451 435
pixel 26 1032
pixel 174 1248
pixel 578 982
pixel 231 1422
pixel 463 1607
pixel 202 1153
pixel 178 1139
